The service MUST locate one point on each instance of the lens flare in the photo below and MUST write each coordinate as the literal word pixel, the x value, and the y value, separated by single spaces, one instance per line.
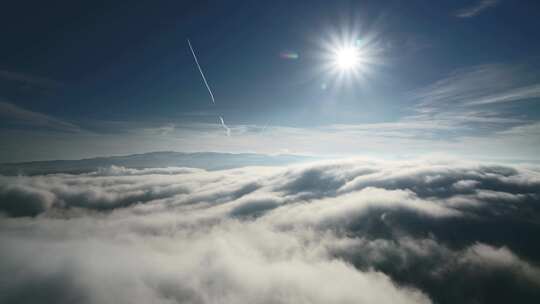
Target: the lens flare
pixel 289 55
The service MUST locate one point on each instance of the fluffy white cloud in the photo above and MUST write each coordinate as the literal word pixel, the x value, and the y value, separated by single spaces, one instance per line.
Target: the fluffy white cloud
pixel 351 231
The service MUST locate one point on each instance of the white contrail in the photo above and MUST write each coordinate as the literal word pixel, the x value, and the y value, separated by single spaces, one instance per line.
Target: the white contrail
pixel 201 71
pixel 227 129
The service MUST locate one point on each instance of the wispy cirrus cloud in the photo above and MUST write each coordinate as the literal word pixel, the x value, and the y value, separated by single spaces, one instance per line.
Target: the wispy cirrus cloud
pixel 36 81
pixel 17 116
pixel 476 9
pixel 521 93
pixel 478 104
pixel 470 95
pixel 476 85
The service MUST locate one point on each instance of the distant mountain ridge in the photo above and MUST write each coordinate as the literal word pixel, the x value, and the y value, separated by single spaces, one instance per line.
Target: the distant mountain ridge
pixel 202 160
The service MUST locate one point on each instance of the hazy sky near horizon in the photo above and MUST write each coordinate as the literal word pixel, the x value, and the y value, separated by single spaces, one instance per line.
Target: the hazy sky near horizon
pixel 98 78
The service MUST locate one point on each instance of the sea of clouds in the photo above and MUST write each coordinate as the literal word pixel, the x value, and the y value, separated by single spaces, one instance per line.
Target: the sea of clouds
pixel 344 231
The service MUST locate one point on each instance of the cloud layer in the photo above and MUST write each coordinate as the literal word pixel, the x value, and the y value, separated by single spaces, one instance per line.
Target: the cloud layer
pixel 348 231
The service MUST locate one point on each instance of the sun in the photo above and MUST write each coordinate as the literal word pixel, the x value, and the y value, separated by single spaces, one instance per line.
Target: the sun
pixel 347 58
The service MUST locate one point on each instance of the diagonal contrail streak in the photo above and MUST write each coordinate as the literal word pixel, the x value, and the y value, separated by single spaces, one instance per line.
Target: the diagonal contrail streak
pixel 201 71
pixel 227 129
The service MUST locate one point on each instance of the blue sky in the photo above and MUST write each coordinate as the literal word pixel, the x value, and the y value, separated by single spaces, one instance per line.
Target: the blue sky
pixel 447 77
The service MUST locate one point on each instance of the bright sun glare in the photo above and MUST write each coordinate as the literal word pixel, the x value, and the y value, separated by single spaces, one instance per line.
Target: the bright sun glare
pixel 347 58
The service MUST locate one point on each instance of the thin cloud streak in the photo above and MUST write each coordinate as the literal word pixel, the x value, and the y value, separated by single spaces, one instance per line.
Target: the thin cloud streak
pixel 466 96
pixel 476 9
pixel 11 113
pixel 31 80
pixel 517 94
pixel 469 85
